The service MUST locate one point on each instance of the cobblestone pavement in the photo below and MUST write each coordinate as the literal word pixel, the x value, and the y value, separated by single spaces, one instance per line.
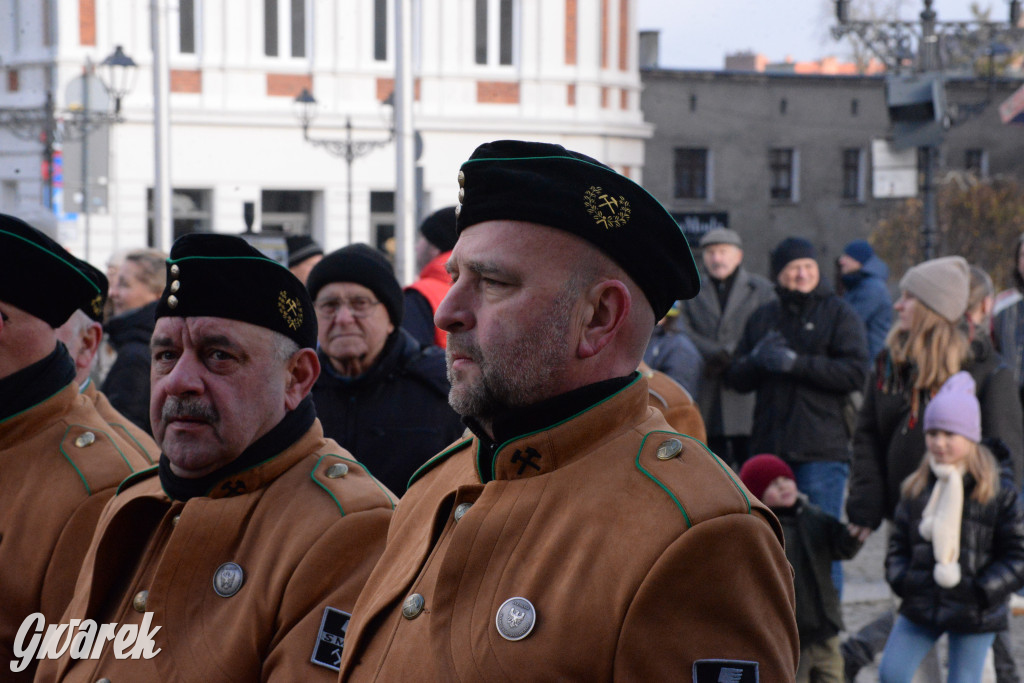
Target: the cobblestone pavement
pixel 865 595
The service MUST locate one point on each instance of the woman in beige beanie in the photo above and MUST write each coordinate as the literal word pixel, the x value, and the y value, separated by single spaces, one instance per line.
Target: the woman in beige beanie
pixel 926 346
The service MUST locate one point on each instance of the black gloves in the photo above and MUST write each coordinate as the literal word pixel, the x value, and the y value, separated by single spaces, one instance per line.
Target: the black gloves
pixel 773 354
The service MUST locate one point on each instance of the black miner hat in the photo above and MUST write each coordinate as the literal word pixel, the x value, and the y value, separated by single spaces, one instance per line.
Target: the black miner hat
pixel 223 277
pixel 94 303
pixel 439 228
pixel 550 185
pixel 38 275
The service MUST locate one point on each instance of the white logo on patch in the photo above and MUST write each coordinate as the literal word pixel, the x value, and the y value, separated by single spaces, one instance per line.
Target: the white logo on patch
pixel 730 675
pixel 81 640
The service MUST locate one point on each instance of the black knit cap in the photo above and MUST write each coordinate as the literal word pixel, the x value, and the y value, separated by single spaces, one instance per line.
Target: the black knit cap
pixel 790 249
pixel 439 228
pixel 38 275
pixel 300 248
pixel 222 276
pixel 366 266
pixel 550 185
pixel 93 305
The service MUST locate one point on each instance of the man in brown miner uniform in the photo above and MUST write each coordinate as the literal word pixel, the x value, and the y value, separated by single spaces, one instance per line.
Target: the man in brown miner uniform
pixel 82 334
pixel 59 460
pixel 248 544
pixel 572 535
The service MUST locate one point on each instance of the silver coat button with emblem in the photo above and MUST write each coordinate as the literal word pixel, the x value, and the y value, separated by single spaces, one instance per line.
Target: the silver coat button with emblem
pixel 337 470
pixel 175 270
pixel 86 439
pixel 413 606
pixel 669 449
pixel 140 601
pixel 175 286
pixel 461 510
pixel 228 579
pixel 515 619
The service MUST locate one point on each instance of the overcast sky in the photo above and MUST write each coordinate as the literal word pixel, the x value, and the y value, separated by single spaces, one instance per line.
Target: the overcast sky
pixel 697 34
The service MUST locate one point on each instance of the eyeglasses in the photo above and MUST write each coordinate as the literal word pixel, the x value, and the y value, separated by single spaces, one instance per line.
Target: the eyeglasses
pixel 359 306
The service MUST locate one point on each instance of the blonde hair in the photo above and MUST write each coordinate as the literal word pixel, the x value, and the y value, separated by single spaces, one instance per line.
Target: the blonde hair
pixel 936 347
pixel 981 465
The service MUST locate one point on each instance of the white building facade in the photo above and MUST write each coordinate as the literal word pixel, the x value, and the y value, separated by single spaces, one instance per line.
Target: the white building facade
pixel 560 71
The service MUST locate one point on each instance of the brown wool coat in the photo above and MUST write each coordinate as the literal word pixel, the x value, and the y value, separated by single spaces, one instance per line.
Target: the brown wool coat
pixel 637 567
pixel 54 481
pixel 129 431
pixel 305 541
pixel 674 402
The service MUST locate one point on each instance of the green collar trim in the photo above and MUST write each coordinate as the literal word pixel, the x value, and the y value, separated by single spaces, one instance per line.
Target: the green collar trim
pixel 59 258
pixel 22 412
pixel 494 459
pixel 136 477
pixel 350 461
pixel 437 459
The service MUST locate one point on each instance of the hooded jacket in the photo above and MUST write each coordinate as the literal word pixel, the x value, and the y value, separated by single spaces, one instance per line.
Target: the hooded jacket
pixel 868 295
pixel 395 416
pixel 799 415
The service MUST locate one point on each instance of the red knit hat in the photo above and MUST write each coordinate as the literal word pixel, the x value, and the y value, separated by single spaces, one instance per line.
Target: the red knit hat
pixel 761 470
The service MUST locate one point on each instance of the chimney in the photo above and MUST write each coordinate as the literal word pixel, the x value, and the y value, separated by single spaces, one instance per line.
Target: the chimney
pixel 649 49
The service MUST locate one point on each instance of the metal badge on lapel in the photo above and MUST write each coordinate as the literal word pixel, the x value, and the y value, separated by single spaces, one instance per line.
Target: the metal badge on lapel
pixel 228 579
pixel 515 619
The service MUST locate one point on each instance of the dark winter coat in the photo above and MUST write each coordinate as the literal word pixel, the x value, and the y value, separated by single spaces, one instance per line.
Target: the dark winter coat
pixel 394 417
pixel 991 563
pixel 868 295
pixel 799 415
pixel 127 383
pixel 889 441
pixel 814 539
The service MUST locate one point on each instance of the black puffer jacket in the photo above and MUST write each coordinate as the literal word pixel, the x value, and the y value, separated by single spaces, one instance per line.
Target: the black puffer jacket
pixel 127 383
pixel 991 563
pixel 889 441
pixel 394 417
pixel 799 415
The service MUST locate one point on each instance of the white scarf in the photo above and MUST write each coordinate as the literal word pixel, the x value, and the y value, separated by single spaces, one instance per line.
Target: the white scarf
pixel 941 519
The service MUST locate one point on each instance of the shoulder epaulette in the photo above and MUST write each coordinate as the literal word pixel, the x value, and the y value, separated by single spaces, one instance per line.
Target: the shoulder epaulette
pixel 331 474
pixel 80 442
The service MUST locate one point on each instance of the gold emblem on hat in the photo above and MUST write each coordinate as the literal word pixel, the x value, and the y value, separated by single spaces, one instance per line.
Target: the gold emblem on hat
pixel 97 304
pixel 290 310
pixel 606 210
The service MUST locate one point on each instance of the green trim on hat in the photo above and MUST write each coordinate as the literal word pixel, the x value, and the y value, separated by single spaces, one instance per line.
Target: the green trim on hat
pixel 56 256
pixel 225 258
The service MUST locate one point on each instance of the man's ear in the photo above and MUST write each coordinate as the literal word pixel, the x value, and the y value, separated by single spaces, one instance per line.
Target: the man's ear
pixel 91 338
pixel 303 368
pixel 605 311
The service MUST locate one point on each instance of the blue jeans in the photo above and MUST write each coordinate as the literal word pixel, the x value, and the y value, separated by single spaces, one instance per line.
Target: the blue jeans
pixel 910 642
pixel 824 484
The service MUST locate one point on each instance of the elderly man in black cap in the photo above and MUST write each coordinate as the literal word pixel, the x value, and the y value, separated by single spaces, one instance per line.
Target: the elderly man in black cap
pixel 381 394
pixel 59 460
pixel 433 247
pixel 247 545
pixel 82 335
pixel 571 529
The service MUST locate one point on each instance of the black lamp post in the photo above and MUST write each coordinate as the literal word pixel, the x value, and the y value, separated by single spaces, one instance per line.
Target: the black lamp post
pixel 346 148
pixel 939 45
pixel 52 126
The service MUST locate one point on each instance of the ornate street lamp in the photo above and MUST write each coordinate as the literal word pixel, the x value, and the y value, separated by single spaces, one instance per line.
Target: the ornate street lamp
pixel 347 148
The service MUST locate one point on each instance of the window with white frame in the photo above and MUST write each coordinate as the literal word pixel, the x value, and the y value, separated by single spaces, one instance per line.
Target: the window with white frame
pixel 782 166
pixel 285 28
pixel 495 32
